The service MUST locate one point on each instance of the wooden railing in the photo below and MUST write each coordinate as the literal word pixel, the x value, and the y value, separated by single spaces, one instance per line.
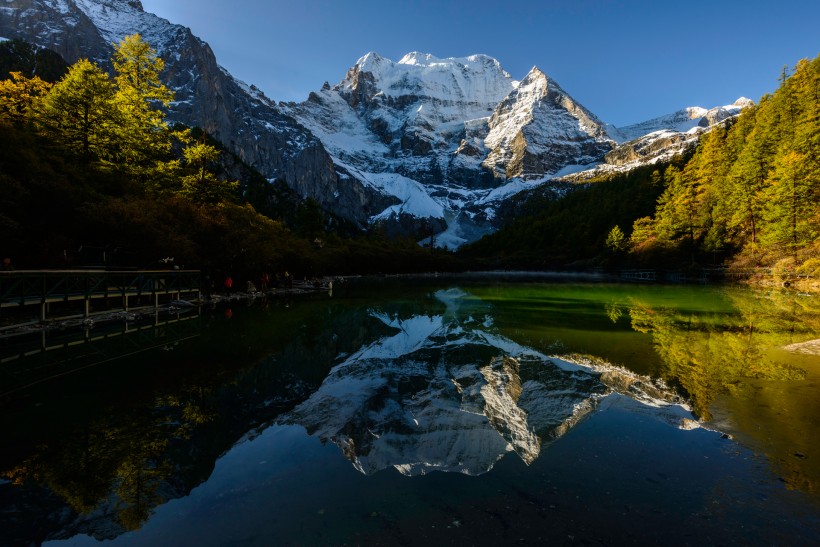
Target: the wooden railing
pixel 44 287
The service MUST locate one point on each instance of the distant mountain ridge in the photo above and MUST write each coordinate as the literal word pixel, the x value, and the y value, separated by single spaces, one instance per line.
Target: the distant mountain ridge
pixel 423 145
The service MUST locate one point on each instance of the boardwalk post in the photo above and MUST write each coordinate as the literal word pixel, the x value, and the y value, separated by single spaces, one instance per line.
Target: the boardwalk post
pixel 43 303
pixel 87 300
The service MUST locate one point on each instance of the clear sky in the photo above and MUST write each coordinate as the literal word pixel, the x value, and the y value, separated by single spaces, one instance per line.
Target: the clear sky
pixel 625 60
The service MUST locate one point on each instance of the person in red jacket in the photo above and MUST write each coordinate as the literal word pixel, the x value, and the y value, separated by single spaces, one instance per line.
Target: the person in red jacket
pixel 228 284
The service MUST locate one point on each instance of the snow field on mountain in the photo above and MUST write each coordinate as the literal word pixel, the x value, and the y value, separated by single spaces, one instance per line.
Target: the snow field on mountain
pixel 681 121
pixel 477 77
pixel 415 199
pixel 342 132
pixel 116 20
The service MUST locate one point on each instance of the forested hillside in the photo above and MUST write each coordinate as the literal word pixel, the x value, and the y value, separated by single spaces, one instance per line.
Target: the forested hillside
pixel 748 196
pixel 570 231
pixel 91 174
pixel 750 193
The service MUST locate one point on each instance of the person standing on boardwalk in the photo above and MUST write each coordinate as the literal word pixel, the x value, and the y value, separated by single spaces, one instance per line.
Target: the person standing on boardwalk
pixel 228 284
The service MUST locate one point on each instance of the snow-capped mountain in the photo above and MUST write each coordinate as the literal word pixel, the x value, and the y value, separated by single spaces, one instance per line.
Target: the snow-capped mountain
pixel 660 139
pixel 409 114
pixel 449 138
pixel 420 145
pixel 682 121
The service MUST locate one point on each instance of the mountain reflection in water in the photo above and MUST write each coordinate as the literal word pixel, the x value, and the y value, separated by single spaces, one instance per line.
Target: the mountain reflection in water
pixel 233 436
pixel 446 393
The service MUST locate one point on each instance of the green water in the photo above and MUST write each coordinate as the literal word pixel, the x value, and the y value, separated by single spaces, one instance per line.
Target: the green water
pixel 387 414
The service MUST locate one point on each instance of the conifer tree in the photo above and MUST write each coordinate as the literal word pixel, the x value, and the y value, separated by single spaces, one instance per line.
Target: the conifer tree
pixel 145 138
pixel 80 111
pixel 202 185
pixel 747 178
pixel 791 193
pixel 680 213
pixel 616 240
pixel 712 163
pixel 643 231
pixel 807 131
pixel 789 214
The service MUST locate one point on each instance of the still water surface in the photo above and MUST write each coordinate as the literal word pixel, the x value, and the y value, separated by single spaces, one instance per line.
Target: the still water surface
pixel 428 413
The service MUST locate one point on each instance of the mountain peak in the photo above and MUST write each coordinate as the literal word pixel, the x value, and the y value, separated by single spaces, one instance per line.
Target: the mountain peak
pixel 370 60
pixel 477 62
pixel 535 84
pixel 370 56
pixel 418 58
pixel 534 73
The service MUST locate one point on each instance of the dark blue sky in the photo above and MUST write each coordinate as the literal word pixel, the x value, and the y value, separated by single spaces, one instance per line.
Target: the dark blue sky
pixel 625 60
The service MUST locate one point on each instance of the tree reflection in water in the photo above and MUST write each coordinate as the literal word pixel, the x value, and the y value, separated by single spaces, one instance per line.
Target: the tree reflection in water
pixel 478 368
pixel 738 356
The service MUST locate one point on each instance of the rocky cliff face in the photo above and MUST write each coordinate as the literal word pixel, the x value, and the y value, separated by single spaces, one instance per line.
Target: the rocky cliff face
pixel 539 129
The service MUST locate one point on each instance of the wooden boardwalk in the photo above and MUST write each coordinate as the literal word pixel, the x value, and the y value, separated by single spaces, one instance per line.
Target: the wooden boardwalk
pixel 19 289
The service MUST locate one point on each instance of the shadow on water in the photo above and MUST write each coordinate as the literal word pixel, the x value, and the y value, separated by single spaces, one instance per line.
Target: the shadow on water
pixel 558 411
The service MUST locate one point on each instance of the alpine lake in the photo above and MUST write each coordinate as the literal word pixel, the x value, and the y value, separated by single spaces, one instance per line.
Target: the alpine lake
pixel 436 411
